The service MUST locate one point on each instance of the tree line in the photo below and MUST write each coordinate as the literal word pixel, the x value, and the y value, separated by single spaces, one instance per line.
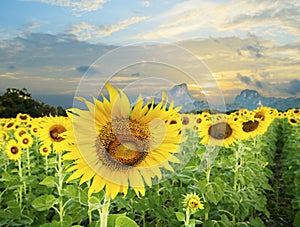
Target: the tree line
pixel 15 101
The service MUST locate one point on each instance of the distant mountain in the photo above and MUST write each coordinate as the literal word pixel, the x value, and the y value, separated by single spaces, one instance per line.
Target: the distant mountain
pixel 249 99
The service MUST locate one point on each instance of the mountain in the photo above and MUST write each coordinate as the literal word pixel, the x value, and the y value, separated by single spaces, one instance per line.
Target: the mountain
pixel 249 99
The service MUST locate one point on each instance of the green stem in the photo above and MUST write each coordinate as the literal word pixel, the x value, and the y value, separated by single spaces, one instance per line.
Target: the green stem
pixel 104 212
pixel 90 213
pixel 236 168
pixel 21 179
pixel 60 187
pixel 187 217
pixel 46 164
pixel 208 174
pixel 28 161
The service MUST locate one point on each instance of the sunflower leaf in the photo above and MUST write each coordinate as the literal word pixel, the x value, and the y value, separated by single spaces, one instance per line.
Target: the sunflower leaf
pixel 44 202
pixel 180 216
pixel 48 181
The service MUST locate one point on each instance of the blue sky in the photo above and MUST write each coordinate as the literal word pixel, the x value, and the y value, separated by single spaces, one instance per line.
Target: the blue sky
pixel 47 45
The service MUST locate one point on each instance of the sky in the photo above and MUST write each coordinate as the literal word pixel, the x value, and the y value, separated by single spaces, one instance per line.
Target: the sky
pixel 62 48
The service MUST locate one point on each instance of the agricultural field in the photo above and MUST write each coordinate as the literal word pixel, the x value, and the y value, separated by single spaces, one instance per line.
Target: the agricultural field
pixel 235 169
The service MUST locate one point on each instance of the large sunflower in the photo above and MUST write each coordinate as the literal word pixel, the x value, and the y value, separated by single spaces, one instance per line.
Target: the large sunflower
pixel 51 132
pixel 13 150
pixel 219 130
pixel 121 146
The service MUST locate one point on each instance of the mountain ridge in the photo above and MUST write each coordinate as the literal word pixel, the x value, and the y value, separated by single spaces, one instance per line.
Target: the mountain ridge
pixel 249 99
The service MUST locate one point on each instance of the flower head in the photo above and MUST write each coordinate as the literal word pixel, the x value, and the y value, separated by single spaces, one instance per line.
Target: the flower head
pixel 192 202
pixel 13 150
pixel 120 146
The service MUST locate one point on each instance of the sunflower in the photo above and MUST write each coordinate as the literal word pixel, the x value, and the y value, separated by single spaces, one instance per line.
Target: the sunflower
pixel 13 150
pixel 220 130
pixel 120 146
pixel 192 202
pixel 25 141
pixel 52 130
pixel 19 132
pixel 10 124
pixel 189 121
pixel 23 118
pixel 34 126
pixel 45 150
pixel 293 116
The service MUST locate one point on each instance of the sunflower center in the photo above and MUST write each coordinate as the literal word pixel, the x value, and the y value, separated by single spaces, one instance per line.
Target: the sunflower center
pixel 23 117
pixel 260 115
pixel 220 131
pixel 123 143
pixel 55 130
pixel 9 125
pixel 250 126
pixel 22 132
pixel 193 203
pixel 25 141
pixel 125 152
pixel 185 120
pixel 45 149
pixel 14 150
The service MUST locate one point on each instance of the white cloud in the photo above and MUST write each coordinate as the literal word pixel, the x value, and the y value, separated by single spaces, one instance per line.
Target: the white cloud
pixel 146 4
pixel 75 5
pixel 84 31
pixel 203 18
pixel 9 75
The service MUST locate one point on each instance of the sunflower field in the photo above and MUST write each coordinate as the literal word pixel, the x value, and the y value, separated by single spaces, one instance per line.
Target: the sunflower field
pixel 118 164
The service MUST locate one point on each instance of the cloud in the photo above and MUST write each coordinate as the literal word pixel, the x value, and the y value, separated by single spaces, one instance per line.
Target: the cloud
pixel 146 4
pixel 8 75
pixel 87 69
pixel 244 79
pixel 293 87
pixel 258 84
pixel 198 18
pixel 78 6
pixel 84 31
pixel 31 26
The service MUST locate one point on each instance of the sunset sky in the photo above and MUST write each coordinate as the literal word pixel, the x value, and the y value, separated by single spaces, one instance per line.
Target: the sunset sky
pixel 47 46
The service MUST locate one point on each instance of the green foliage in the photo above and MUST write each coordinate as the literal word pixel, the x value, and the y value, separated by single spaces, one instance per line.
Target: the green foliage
pixel 234 184
pixel 15 101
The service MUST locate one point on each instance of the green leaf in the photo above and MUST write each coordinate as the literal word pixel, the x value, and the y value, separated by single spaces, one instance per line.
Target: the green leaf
pixel 123 221
pixel 215 191
pixel 13 210
pixel 48 181
pixel 297 219
pixel 111 220
pixel 70 191
pixel 83 197
pixel 44 202
pixel 180 216
pixel 94 203
pixel 192 223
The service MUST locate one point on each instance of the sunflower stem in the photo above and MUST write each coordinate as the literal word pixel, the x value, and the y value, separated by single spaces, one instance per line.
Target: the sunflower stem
pixel 21 179
pixel 28 161
pixel 104 212
pixel 60 187
pixel 187 218
pixel 46 165
pixel 237 165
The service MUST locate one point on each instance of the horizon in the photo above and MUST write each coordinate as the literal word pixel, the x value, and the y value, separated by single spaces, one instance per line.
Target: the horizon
pixel 66 100
pixel 217 47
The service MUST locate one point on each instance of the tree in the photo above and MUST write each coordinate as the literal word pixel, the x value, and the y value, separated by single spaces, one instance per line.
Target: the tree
pixel 16 101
